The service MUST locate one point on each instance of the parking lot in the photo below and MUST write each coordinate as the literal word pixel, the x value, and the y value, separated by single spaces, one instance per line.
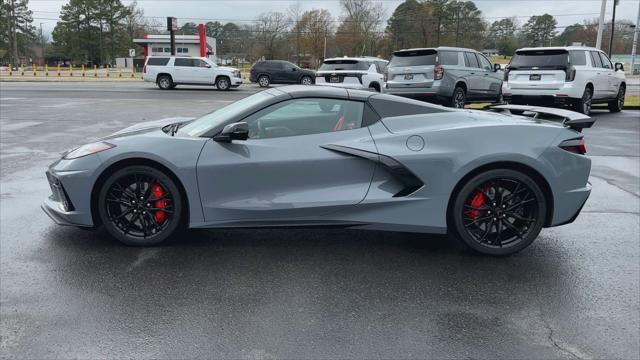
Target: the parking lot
pixel 320 293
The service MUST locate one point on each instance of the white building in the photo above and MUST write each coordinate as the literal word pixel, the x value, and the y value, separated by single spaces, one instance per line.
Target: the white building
pixel 186 45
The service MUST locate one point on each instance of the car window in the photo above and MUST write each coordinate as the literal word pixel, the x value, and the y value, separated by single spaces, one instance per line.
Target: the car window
pixel 304 117
pixel 470 60
pixel 274 65
pixel 548 58
pixel 391 106
pixel 157 61
pixel 448 57
pixel 347 64
pixel 200 63
pixel 595 59
pixel 187 62
pixel 577 57
pixel 606 63
pixel 484 62
pixel 380 66
pixel 413 58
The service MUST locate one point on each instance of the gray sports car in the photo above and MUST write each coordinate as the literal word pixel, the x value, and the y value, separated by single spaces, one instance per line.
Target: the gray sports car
pixel 322 156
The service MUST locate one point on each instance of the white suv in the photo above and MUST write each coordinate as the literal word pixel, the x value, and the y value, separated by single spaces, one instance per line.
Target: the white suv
pixel 574 76
pixel 352 73
pixel 167 72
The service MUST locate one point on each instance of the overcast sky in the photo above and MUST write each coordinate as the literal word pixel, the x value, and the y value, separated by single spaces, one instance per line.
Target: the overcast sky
pixel 567 12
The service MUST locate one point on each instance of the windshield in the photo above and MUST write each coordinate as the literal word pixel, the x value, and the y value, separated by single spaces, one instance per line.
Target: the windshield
pixel 330 65
pixel 540 59
pixel 413 58
pixel 202 125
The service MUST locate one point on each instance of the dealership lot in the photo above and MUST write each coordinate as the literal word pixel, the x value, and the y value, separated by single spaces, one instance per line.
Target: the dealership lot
pixel 66 292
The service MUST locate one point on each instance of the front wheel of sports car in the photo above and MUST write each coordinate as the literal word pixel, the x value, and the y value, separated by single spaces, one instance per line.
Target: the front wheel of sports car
pixel 498 212
pixel 140 206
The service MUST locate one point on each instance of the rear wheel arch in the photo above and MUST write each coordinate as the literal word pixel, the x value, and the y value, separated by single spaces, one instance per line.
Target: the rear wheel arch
pixel 163 74
pixel 461 84
pixel 121 164
pixel 375 85
pixel 510 165
pixel 589 86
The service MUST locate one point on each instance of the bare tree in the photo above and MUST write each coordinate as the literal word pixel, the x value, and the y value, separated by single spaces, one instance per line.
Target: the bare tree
pixel 295 15
pixel 270 28
pixel 361 22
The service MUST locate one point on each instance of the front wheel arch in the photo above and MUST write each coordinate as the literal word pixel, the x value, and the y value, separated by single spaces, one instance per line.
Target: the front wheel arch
pixel 95 191
pixel 510 165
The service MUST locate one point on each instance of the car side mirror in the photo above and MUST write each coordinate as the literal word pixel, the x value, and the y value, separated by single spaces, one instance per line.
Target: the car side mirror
pixel 619 66
pixel 496 67
pixel 235 131
pixel 293 69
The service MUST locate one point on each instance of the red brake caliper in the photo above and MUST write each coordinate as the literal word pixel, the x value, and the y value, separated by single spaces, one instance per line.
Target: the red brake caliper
pixel 158 192
pixel 476 202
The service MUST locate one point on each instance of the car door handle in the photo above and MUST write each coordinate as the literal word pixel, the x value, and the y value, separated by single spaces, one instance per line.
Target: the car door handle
pixel 472 73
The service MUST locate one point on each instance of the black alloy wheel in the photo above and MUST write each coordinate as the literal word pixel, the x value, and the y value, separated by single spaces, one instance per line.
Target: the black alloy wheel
pixel 618 104
pixel 499 212
pixel 140 206
pixel 459 98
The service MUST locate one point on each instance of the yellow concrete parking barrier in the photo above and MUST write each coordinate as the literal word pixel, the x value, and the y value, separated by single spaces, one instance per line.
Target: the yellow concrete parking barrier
pixel 22 69
pixel 71 70
pixel 46 69
pixel 10 69
pixel 34 68
pixel 58 70
pixel 95 70
pixel 108 69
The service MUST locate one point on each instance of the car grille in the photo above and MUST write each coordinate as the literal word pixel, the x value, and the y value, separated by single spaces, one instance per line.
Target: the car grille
pixel 58 194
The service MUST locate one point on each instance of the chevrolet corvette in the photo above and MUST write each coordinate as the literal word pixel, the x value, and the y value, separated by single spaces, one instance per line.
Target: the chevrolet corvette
pixel 319 156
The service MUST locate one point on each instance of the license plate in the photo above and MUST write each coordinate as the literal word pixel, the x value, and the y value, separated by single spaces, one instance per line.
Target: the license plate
pixel 408 76
pixel 334 79
pixel 534 77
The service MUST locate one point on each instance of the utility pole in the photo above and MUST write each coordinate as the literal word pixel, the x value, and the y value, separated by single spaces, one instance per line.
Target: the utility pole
pixel 613 27
pixel 603 9
pixel 635 41
pixel 42 45
pixel 14 35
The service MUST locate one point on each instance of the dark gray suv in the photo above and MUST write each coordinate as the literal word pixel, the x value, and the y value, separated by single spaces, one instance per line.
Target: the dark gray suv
pixel 268 72
pixel 448 75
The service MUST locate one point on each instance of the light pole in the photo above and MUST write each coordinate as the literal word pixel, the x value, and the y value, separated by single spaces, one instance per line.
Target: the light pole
pixel 603 9
pixel 613 27
pixel 44 58
pixel 635 41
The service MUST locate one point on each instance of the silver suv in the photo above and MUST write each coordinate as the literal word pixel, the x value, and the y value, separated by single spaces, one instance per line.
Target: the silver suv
pixel 448 75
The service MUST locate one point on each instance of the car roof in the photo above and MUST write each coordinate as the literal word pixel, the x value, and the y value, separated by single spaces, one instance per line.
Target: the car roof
pixel 356 58
pixel 559 48
pixel 438 48
pixel 302 91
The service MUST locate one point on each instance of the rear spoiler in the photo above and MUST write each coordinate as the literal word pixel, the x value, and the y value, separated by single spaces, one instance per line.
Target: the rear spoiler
pixel 571 119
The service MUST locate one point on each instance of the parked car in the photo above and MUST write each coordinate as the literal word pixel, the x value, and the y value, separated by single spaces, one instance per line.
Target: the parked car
pixel 322 156
pixel 447 75
pixel 576 76
pixel 352 73
pixel 169 71
pixel 268 72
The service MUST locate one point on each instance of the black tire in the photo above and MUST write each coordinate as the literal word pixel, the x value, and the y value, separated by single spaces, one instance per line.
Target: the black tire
pixel 264 81
pixel 583 105
pixel 617 104
pixel 375 87
pixel 498 212
pixel 459 98
pixel 165 82
pixel 135 221
pixel 223 83
pixel 306 80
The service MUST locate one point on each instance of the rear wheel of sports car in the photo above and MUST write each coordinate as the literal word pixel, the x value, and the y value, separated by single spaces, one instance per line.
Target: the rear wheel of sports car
pixel 458 99
pixel 498 212
pixel 140 206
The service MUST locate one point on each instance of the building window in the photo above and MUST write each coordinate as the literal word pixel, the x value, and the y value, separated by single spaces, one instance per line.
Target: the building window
pixel 182 50
pixel 156 49
pixel 167 50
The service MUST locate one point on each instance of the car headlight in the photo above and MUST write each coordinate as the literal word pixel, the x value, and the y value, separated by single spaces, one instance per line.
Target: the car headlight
pixel 88 149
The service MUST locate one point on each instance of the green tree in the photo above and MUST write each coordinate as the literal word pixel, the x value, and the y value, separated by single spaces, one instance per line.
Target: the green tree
pixel 19 29
pixel 502 36
pixel 406 24
pixel 539 30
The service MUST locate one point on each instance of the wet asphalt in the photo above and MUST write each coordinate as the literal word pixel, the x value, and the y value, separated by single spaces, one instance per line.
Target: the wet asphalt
pixel 314 293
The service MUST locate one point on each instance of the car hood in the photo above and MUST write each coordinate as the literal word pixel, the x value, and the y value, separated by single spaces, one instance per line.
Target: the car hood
pixel 148 126
pixel 226 68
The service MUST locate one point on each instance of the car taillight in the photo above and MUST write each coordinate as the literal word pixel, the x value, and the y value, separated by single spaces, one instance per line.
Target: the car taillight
pixel 253 69
pixel 386 76
pixel 576 146
pixel 438 72
pixel 571 74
